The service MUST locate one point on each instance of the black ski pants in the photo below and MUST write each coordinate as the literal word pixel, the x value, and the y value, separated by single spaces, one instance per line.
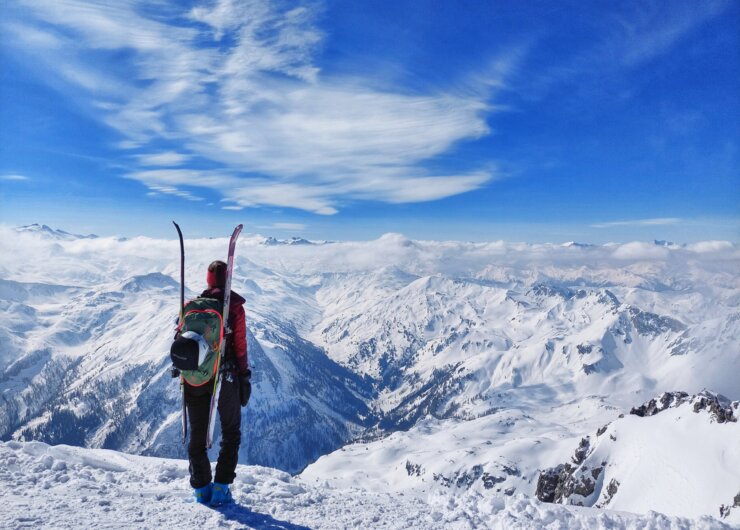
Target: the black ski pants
pixel 198 401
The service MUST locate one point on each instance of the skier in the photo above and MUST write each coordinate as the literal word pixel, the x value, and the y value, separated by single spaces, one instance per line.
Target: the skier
pixel 235 390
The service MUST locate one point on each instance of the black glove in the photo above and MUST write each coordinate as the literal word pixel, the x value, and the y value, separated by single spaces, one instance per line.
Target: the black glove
pixel 245 387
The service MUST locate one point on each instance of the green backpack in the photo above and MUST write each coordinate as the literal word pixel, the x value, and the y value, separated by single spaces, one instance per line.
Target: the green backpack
pixel 204 316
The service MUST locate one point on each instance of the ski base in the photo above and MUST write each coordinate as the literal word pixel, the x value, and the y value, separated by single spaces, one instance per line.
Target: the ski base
pixel 227 299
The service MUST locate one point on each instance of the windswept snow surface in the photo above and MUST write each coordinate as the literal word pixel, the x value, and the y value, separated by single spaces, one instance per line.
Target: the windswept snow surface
pixel 456 369
pixel 682 461
pixel 57 487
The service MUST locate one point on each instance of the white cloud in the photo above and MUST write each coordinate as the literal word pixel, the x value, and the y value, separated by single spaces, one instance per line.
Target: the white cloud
pixel 14 177
pixel 170 190
pixel 658 221
pixel 256 104
pixel 419 189
pixel 169 158
pixel 628 265
pixel 284 194
pixel 188 177
pixel 638 250
pixel 634 34
pixel 36 38
pixel 705 247
pixel 652 30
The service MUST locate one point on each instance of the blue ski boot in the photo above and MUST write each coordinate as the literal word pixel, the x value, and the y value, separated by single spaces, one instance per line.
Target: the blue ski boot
pixel 221 494
pixel 203 495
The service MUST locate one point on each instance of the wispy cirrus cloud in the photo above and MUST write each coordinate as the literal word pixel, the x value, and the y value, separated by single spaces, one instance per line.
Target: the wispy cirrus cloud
pixel 168 158
pixel 235 86
pixel 651 29
pixel 658 221
pixel 14 177
pixel 156 191
pixel 632 35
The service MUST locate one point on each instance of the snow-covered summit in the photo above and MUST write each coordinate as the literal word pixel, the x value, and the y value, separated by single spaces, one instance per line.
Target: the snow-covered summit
pixel 676 454
pixel 52 233
pixel 272 241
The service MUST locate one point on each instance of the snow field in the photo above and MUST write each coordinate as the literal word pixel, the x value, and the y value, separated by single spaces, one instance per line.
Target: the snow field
pixel 58 487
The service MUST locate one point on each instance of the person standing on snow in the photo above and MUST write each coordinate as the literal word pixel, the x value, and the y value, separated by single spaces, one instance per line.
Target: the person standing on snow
pixel 235 391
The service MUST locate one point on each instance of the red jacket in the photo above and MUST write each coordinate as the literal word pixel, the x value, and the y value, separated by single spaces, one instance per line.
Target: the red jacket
pixel 236 346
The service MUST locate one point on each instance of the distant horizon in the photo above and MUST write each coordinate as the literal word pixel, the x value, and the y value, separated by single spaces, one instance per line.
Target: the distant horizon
pixel 347 120
pixel 297 236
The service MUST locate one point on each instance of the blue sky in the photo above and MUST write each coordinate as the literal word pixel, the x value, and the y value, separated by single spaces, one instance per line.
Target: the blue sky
pixel 471 120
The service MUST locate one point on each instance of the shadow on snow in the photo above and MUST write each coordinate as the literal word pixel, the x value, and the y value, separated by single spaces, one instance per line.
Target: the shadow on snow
pixel 256 520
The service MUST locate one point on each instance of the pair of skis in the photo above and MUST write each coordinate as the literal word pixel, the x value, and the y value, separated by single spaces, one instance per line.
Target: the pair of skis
pixel 225 319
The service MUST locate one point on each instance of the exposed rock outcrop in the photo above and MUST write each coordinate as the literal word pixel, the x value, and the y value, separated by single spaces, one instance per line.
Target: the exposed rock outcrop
pixel 659 404
pixel 719 407
pixel 594 475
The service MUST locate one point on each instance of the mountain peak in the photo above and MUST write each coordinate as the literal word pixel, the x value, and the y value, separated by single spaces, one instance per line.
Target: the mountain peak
pixel 48 232
pixel 273 241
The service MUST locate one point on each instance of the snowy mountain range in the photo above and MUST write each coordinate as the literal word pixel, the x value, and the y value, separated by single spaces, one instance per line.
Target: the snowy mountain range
pixel 52 233
pixel 463 370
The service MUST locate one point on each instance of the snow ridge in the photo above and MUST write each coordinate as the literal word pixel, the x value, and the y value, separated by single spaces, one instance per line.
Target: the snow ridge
pixel 692 442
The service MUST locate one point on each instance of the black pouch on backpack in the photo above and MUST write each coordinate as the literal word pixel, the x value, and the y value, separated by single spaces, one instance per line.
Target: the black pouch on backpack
pixel 184 353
